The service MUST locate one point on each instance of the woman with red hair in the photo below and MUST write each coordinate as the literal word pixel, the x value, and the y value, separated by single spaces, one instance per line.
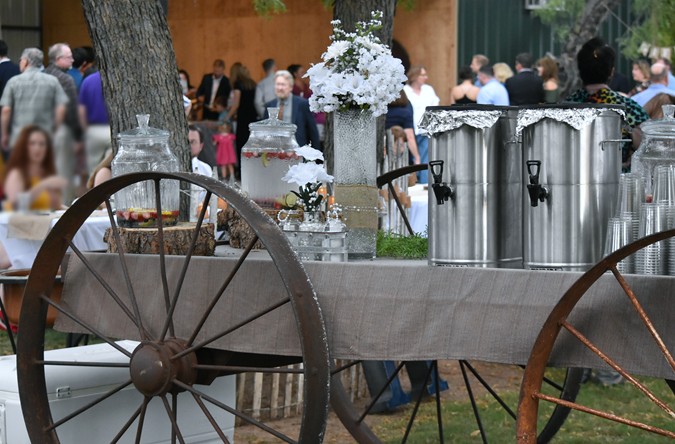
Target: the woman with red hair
pixel 31 169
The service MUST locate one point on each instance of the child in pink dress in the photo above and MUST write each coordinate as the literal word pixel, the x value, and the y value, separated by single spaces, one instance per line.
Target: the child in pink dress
pixel 226 157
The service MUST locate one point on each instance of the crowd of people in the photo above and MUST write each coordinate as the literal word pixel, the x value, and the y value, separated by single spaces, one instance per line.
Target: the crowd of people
pixel 534 83
pixel 232 103
pixel 65 100
pixel 54 127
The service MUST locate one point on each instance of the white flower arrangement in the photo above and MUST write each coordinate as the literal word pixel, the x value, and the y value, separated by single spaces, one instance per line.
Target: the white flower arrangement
pixel 357 71
pixel 309 177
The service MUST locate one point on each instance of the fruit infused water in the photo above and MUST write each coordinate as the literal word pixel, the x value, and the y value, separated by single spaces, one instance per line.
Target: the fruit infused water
pixel 265 159
pixel 261 174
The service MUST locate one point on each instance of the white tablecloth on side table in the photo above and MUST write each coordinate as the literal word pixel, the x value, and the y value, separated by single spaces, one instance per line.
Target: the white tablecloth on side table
pixel 22 252
pixel 418 214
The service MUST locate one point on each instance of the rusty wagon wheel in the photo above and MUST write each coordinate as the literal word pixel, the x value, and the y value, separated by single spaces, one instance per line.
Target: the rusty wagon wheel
pixel 164 367
pixel 531 395
pixel 565 385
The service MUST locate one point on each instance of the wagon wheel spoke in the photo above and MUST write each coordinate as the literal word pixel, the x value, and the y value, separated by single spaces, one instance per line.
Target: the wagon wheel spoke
pixel 229 330
pixel 104 283
pixel 89 405
pixel 139 411
pixel 141 419
pixel 186 264
pixel 235 412
pixel 174 424
pixel 162 253
pixel 643 316
pixel 174 410
pixel 85 325
pixel 487 387
pixel 605 415
pixel 242 369
pixel 127 279
pixel 584 340
pixel 85 364
pixel 222 290
pixel 210 418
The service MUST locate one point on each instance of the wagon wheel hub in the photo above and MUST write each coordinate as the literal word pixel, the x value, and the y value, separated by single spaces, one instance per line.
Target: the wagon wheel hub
pixel 153 370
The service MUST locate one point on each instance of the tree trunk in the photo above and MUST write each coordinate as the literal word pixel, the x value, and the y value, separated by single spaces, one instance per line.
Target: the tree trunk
pixel 349 12
pixel 139 71
pixel 595 12
pixel 138 68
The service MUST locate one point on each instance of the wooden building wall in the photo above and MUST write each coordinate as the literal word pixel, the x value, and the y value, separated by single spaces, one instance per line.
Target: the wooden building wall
pixel 204 30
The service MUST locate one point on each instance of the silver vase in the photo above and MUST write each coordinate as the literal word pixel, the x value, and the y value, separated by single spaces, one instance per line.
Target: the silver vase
pixel 355 142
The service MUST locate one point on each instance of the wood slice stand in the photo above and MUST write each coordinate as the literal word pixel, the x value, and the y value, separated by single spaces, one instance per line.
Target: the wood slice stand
pixel 177 240
pixel 241 233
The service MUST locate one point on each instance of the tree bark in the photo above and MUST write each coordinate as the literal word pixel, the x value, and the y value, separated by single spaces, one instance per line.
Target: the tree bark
pixel 349 12
pixel 138 68
pixel 595 12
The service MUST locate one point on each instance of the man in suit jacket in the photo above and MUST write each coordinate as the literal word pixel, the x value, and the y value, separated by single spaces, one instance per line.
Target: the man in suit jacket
pixel 213 85
pixel 526 87
pixel 8 69
pixel 295 110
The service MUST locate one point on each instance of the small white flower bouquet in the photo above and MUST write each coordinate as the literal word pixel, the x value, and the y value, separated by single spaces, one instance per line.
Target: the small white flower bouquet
pixel 357 71
pixel 309 177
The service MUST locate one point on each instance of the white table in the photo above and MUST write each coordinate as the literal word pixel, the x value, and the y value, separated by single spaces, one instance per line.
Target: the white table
pixel 22 252
pixel 418 214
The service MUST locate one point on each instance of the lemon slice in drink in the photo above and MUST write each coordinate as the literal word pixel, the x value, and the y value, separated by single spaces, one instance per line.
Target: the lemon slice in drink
pixel 290 200
pixel 265 160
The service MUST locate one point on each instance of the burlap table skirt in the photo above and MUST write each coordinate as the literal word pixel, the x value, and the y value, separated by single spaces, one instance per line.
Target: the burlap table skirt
pixel 388 309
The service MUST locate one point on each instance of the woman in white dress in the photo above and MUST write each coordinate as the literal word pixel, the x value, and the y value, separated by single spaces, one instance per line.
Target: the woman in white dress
pixel 420 96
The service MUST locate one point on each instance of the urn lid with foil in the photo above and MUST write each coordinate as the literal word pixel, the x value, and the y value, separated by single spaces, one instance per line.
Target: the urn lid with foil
pixel 145 149
pixel 265 159
pixel 657 147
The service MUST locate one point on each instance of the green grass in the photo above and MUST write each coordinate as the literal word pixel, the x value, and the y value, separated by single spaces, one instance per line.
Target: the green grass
pixel 403 247
pixel 580 428
pixel 53 340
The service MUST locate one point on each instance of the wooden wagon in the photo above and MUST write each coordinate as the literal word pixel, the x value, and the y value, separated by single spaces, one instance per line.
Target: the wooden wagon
pixel 196 319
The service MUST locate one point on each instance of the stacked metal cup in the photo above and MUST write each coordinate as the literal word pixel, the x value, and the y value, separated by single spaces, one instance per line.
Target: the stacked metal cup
pixel 664 195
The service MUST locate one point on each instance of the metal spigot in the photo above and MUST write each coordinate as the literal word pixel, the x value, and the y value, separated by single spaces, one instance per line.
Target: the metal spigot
pixel 442 191
pixel 538 193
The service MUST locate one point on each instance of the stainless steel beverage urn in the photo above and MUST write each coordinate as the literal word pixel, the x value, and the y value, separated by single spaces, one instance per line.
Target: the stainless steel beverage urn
pixel 474 198
pixel 572 161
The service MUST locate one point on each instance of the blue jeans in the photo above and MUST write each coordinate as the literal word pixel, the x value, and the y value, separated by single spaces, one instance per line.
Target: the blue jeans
pixel 423 148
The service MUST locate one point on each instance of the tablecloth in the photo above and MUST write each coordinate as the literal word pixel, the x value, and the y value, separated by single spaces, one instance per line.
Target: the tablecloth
pixel 22 252
pixel 388 309
pixel 418 213
pixel 30 226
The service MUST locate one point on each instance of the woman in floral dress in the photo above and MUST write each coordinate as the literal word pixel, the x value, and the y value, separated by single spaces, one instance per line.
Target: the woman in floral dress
pixel 596 65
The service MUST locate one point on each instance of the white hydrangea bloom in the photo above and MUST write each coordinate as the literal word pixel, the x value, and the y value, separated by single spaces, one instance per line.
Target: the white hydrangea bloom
pixel 307 173
pixel 357 71
pixel 309 153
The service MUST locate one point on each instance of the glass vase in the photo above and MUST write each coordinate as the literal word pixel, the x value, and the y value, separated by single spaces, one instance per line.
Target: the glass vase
pixel 355 186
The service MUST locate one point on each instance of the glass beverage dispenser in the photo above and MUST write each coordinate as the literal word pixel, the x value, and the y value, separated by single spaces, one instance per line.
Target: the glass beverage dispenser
pixel 265 159
pixel 657 147
pixel 139 150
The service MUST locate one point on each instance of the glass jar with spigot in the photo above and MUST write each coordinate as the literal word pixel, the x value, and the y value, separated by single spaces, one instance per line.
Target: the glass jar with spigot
pixel 265 159
pixel 145 149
